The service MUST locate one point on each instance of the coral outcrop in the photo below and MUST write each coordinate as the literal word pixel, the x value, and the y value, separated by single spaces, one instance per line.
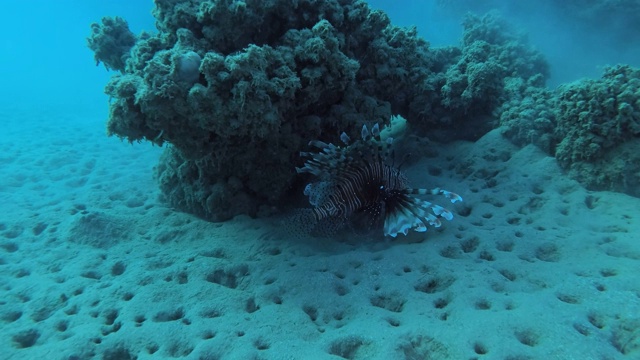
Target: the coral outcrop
pixel 528 116
pixel 493 55
pixel 238 88
pixel 591 126
pixel 111 42
pixel 598 130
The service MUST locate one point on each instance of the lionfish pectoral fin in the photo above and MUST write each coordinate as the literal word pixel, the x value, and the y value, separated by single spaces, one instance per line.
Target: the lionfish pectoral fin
pixel 440 211
pixel 419 226
pixel 420 210
pixel 437 191
pixel 397 228
pixel 402 219
pixel 392 225
pixel 451 196
pixel 432 219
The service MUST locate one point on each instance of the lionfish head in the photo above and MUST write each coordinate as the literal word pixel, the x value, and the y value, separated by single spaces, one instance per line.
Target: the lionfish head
pixel 357 184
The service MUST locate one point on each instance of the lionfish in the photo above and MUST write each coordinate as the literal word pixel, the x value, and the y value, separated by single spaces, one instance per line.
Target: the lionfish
pixel 358 184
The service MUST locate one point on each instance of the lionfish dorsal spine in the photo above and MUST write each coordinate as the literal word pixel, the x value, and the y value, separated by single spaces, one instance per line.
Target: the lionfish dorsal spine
pixel 375 131
pixel 345 138
pixel 365 135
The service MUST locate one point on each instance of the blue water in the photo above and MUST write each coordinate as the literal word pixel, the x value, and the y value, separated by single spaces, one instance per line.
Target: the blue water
pixel 45 57
pixel 44 53
pixel 94 263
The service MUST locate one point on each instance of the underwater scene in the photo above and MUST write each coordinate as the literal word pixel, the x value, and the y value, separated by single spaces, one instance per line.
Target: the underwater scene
pixel 306 179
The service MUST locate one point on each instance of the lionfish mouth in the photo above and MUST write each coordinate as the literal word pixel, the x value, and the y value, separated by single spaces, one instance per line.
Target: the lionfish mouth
pixel 357 184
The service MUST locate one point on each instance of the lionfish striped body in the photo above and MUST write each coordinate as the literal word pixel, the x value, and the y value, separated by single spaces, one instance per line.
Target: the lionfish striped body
pixel 356 184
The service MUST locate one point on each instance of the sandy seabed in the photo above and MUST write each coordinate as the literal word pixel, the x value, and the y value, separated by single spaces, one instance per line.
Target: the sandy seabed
pixel 93 265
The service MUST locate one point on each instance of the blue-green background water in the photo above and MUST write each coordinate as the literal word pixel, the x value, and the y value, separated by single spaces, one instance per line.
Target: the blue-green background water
pixel 45 58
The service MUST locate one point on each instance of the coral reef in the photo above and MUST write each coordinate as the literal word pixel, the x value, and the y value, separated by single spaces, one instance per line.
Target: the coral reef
pixel 491 53
pixel 528 116
pixel 111 42
pixel 492 56
pixel 237 88
pixel 598 130
pixel 591 126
